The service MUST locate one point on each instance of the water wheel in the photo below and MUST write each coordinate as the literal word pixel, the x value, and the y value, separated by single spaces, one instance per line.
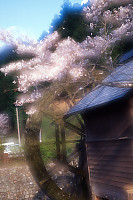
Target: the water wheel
pixel 66 176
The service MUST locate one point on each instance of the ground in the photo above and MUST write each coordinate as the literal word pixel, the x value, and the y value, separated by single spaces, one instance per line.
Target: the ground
pixel 17 183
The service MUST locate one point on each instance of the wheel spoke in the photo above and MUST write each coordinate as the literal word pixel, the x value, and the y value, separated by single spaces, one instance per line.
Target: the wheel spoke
pixel 74 154
pixel 65 166
pixel 80 122
pixel 74 128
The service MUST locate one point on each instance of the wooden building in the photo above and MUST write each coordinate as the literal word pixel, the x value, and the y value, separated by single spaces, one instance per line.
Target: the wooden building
pixel 107 112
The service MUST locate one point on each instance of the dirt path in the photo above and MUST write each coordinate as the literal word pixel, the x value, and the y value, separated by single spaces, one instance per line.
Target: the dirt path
pixel 17 183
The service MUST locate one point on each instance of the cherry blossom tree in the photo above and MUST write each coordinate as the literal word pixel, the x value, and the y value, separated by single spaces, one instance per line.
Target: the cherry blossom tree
pixel 61 69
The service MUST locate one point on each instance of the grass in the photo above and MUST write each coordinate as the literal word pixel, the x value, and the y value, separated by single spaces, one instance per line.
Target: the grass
pixel 48 130
pixel 48 151
pixel 48 146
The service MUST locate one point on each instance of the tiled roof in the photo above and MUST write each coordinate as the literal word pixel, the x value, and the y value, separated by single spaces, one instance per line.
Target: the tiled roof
pixel 108 91
pixel 126 56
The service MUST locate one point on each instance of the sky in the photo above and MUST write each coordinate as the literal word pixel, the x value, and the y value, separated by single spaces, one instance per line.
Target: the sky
pixel 29 17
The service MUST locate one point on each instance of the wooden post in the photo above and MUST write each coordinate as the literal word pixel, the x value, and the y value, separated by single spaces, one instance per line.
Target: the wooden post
pixel 40 136
pixel 63 139
pixel 57 140
pixel 88 172
pixel 19 141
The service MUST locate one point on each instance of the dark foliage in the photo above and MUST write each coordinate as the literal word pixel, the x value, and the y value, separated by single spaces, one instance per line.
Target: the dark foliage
pixel 8 54
pixel 7 97
pixel 70 22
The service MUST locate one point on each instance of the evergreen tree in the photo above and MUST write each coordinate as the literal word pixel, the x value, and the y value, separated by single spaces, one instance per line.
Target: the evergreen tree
pixel 8 96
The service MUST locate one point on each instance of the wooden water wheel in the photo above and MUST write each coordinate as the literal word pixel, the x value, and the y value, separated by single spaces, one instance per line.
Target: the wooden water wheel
pixel 66 176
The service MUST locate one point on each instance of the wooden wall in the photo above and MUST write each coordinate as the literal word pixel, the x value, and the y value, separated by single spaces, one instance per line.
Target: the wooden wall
pixel 111 121
pixel 111 167
pixel 109 132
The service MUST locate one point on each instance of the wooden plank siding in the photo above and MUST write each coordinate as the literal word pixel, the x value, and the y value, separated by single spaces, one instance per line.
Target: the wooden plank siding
pixel 110 164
